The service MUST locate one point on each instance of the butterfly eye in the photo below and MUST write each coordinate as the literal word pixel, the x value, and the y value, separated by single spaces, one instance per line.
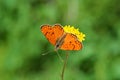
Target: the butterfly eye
pixel 57 45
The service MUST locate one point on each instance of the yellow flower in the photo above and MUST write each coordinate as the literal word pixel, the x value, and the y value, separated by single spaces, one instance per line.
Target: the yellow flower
pixel 71 29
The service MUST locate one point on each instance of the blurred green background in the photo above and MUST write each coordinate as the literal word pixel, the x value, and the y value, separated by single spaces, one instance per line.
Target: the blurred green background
pixel 22 43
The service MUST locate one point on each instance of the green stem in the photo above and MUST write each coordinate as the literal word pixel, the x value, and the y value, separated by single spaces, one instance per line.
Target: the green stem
pixel 65 62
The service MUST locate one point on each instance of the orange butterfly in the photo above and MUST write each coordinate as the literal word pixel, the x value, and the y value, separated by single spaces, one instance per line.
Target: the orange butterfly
pixel 60 39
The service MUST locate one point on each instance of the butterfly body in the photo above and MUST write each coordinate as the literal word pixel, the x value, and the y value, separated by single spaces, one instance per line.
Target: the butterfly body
pixel 60 39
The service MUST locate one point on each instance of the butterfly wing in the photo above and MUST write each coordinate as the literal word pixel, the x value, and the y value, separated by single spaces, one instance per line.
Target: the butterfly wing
pixel 52 33
pixel 71 43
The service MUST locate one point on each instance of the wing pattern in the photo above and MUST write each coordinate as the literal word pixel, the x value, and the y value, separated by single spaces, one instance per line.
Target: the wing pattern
pixel 52 33
pixel 71 43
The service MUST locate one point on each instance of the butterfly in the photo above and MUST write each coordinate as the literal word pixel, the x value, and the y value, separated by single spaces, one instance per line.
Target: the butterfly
pixel 60 39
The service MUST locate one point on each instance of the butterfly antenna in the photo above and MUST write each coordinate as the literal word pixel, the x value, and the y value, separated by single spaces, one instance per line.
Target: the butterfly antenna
pixel 59 56
pixel 47 52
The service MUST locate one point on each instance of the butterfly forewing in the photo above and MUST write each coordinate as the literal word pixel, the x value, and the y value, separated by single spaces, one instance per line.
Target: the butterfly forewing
pixel 52 33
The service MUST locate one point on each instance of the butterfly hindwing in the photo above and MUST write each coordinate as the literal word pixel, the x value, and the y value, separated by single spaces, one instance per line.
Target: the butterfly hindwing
pixel 52 33
pixel 71 43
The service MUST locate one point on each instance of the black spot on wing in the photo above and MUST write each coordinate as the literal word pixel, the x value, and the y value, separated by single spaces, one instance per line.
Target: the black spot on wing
pixel 73 46
pixel 52 33
pixel 46 33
